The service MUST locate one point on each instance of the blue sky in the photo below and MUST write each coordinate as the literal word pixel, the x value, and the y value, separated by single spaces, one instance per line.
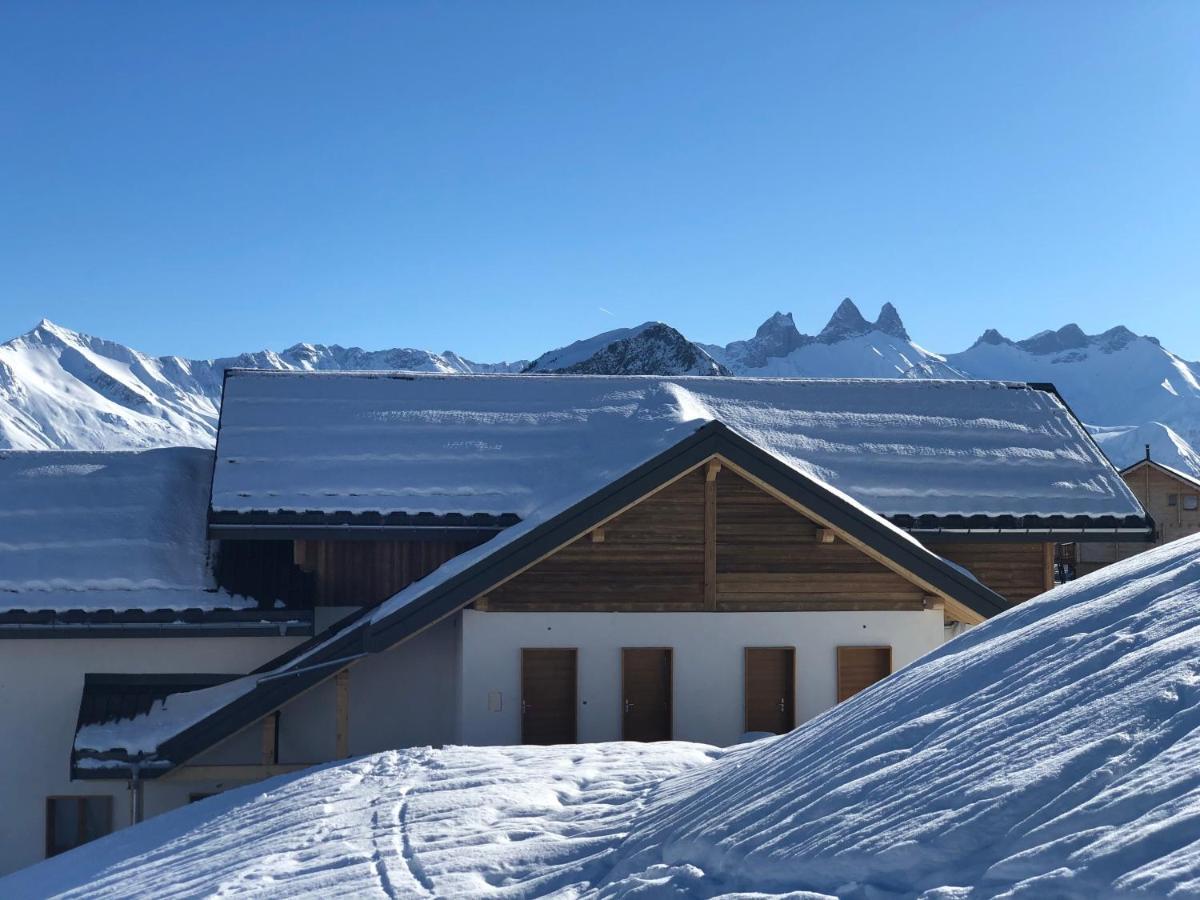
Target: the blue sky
pixel 500 178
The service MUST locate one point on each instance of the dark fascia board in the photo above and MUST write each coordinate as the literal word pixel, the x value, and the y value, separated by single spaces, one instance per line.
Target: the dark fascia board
pixel 228 532
pixel 107 623
pixel 711 439
pixel 346 524
pixel 938 536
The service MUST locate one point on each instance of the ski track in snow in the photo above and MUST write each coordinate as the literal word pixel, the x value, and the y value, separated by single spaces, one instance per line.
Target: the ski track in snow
pixel 504 822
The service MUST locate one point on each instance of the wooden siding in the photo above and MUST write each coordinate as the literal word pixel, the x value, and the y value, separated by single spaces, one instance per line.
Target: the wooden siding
pixel 860 667
pixel 771 557
pixel 1154 488
pixel 652 559
pixel 363 573
pixel 1016 570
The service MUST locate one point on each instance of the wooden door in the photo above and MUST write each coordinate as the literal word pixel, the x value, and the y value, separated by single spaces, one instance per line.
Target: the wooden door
pixel 548 681
pixel 646 683
pixel 770 689
pixel 860 667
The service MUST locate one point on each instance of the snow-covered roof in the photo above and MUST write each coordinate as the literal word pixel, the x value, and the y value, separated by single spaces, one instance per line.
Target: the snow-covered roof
pixel 119 530
pixel 397 443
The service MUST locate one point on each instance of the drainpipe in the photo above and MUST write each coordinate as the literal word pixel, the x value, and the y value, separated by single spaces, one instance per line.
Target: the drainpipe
pixel 135 793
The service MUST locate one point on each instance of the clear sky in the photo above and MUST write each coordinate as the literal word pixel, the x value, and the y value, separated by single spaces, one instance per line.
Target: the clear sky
pixel 499 178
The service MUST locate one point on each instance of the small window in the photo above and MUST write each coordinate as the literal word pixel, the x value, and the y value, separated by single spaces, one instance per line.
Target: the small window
pixel 71 821
pixel 1172 499
pixel 1191 501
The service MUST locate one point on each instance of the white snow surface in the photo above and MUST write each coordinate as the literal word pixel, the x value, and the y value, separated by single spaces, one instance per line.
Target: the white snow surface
pixel 513 444
pixel 1049 752
pixel 107 530
pixel 458 822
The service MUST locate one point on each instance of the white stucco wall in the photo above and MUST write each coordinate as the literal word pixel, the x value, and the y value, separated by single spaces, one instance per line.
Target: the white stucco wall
pixel 708 663
pixel 40 686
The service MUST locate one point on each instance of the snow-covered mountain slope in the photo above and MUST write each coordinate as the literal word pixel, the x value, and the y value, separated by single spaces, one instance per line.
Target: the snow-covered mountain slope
pixel 847 347
pixel 1049 752
pixel 1116 378
pixel 1128 444
pixel 650 349
pixel 63 390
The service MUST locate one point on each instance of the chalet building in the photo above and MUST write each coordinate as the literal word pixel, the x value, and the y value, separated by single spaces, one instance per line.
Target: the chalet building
pixel 1171 497
pixel 384 560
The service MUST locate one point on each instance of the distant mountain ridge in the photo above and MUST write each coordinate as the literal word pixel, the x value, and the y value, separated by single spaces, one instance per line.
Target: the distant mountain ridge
pixel 60 389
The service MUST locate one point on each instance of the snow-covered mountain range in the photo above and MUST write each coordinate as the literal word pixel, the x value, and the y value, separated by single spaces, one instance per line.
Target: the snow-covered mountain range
pixel 63 390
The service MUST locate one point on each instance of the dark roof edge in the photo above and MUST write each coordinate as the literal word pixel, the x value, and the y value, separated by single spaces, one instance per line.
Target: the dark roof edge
pixel 106 623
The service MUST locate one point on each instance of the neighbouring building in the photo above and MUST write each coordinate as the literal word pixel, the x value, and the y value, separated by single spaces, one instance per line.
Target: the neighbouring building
pixel 1171 497
pixel 379 560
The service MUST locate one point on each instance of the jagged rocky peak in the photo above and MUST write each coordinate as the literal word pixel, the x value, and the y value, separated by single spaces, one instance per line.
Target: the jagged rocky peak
pixel 889 322
pixel 778 336
pixel 846 321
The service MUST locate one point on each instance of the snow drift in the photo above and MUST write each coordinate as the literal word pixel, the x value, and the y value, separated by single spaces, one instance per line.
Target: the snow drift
pixel 1050 752
pixel 1047 753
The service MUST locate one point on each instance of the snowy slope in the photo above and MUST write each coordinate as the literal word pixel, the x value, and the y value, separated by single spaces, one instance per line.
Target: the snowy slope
pixel 1112 379
pixel 1128 444
pixel 63 390
pixel 459 822
pixel 1049 752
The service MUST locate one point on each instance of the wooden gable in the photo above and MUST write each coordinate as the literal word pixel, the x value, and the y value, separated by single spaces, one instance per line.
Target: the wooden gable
pixel 765 556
